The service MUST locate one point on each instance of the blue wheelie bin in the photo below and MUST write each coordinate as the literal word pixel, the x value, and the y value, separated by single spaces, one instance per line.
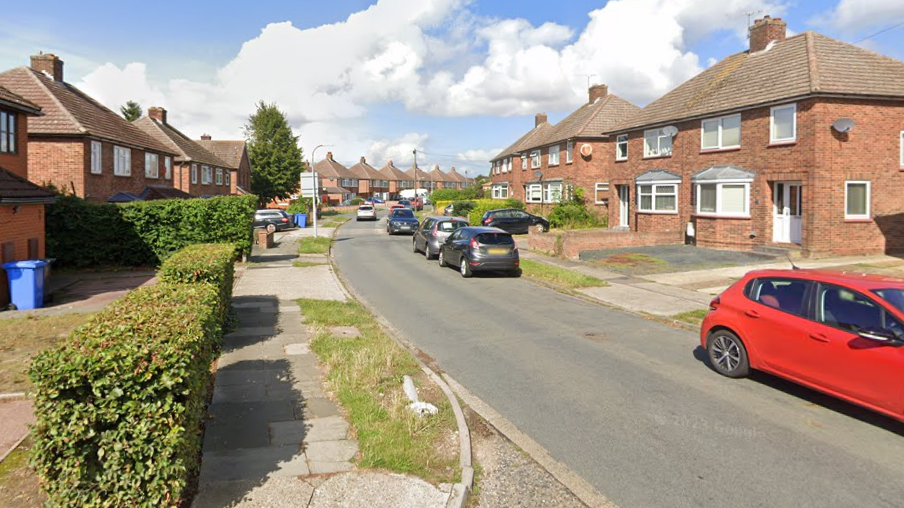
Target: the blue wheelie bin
pixel 301 219
pixel 26 283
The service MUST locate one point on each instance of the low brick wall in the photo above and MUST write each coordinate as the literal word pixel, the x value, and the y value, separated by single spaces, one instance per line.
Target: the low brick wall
pixel 570 244
pixel 263 239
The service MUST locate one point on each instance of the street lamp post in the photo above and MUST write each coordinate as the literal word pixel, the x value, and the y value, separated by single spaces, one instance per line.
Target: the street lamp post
pixel 415 175
pixel 316 198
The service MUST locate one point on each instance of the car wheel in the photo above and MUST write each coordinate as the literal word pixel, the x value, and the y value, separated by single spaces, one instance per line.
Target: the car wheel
pixel 727 354
pixel 271 228
pixel 428 253
pixel 441 258
pixel 465 268
pixel 515 273
pixel 414 246
pixel 541 228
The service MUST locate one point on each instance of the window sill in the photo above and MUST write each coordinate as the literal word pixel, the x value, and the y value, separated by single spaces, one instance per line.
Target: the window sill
pixel 621 160
pixel 858 220
pixel 720 150
pixel 651 212
pixel 569 163
pixel 645 157
pixel 553 165
pixel 720 216
pixel 781 143
pixel 122 176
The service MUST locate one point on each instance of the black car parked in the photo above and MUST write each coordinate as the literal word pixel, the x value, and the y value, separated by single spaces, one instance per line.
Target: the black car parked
pixel 474 249
pixel 514 220
pixel 272 220
pixel 401 220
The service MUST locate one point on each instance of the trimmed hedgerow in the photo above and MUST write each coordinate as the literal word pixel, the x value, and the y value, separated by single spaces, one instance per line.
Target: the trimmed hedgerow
pixel 119 406
pixel 206 262
pixel 82 234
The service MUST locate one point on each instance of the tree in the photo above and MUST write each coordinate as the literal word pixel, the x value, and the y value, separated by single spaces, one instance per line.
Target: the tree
pixel 131 111
pixel 275 156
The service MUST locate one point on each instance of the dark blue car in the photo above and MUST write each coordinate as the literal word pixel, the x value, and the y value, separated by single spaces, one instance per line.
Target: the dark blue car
pixel 401 220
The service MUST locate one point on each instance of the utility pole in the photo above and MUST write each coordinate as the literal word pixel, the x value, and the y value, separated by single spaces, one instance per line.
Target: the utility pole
pixel 415 175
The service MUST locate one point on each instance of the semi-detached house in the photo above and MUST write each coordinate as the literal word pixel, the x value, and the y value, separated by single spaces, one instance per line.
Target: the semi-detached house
pixel 398 179
pixel 797 143
pixel 234 154
pixel 80 146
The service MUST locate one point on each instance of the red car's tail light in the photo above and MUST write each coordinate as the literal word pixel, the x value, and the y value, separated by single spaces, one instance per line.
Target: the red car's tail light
pixel 715 303
pixel 474 244
pixel 487 221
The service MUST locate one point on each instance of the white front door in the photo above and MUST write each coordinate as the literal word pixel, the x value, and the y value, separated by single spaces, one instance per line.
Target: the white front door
pixel 786 212
pixel 623 206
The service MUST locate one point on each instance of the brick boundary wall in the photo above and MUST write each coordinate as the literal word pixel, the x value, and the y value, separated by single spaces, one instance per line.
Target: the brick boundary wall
pixel 570 244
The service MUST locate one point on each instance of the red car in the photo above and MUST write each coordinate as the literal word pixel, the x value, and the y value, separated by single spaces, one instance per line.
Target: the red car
pixel 837 332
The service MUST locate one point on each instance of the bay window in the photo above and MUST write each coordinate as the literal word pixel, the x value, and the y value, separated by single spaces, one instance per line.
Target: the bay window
pixel 731 199
pixel 657 197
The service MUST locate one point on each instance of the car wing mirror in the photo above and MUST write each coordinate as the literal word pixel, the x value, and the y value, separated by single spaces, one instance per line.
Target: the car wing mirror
pixel 877 334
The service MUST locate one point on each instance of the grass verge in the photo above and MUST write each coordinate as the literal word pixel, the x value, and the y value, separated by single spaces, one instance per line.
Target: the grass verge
pixel 314 245
pixel 305 264
pixel 559 276
pixel 694 317
pixel 19 487
pixel 23 338
pixel 334 222
pixel 365 373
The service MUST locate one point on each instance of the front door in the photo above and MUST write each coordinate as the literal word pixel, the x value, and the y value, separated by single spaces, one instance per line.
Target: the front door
pixel 623 206
pixel 786 206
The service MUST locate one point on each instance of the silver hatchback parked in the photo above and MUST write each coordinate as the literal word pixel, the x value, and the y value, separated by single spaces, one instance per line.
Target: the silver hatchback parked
pixel 433 232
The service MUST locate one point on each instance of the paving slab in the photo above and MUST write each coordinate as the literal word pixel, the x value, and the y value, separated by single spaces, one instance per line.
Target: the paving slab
pixel 254 494
pixel 319 407
pixel 256 463
pixel 377 490
pixel 318 283
pixel 331 451
pixel 640 300
pixel 329 428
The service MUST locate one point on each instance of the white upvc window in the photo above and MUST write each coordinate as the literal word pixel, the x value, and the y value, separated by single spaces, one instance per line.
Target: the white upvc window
pixel 657 197
pixel 194 173
pixel 533 193
pixel 856 199
pixel 151 165
pixel 554 155
pixel 569 156
pixel 621 147
pixel 228 176
pixel 219 176
pixel 656 143
pixel 601 193
pixel 205 175
pixel 718 133
pixel 524 158
pixel 122 161
pixel 783 124
pixel 902 149
pixel 535 159
pixel 500 191
pixel 508 165
pixel 7 132
pixel 168 167
pixel 552 192
pixel 96 157
pixel 731 199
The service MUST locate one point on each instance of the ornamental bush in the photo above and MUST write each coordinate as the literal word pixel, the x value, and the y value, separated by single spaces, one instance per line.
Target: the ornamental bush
pixel 208 262
pixel 119 406
pixel 83 234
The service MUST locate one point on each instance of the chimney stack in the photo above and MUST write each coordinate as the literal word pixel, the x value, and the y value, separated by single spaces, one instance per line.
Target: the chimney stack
pixel 329 155
pixel 597 92
pixel 539 119
pixel 363 160
pixel 49 64
pixel 764 31
pixel 204 137
pixel 159 114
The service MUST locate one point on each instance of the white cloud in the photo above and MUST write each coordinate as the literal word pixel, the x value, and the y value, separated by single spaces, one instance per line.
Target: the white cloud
pixel 850 16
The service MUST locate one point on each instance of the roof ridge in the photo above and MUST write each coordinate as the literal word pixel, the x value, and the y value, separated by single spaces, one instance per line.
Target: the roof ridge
pixel 812 62
pixel 34 75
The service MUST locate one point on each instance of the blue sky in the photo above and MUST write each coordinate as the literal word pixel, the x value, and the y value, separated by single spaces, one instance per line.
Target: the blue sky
pixel 456 79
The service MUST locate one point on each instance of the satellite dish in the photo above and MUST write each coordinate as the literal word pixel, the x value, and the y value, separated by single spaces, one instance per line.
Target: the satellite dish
pixel 843 125
pixel 670 131
pixel 586 150
pixel 538 174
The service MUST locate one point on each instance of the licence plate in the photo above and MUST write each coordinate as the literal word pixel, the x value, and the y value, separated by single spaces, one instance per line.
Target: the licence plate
pixel 497 251
pixel 406 227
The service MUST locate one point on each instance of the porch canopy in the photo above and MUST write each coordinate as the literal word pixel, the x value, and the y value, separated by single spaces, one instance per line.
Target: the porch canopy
pixel 657 176
pixel 723 174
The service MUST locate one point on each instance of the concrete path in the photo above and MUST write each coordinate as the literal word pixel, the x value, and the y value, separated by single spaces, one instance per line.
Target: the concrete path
pixel 272 431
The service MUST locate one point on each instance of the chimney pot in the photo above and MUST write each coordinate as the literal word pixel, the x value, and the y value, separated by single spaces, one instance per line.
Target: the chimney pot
pixel 159 114
pixel 49 63
pixel 363 160
pixel 329 155
pixel 539 119
pixel 204 137
pixel 766 30
pixel 596 92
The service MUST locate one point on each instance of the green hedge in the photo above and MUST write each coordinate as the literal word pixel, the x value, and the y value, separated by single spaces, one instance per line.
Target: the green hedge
pixel 83 234
pixel 209 262
pixel 119 407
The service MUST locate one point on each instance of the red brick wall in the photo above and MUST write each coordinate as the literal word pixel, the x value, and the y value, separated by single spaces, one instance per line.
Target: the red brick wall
pixel 570 244
pixel 18 224
pixel 18 162
pixel 60 162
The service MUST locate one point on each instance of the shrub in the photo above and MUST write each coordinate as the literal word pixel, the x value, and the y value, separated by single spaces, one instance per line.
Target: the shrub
pixel 474 192
pixel 357 201
pixel 462 208
pixel 300 206
pixel 83 234
pixel 574 214
pixel 119 406
pixel 211 263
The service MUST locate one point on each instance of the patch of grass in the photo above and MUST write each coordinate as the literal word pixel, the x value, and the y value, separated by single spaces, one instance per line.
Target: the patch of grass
pixel 314 245
pixel 23 338
pixel 365 373
pixel 19 487
pixel 694 317
pixel 305 264
pixel 334 222
pixel 559 276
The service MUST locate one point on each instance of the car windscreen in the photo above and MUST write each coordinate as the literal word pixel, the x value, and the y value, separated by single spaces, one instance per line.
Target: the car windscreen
pixel 451 225
pixel 893 296
pixel 402 214
pixel 495 239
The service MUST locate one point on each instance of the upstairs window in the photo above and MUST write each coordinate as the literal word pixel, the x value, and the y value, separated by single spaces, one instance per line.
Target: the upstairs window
pixel 168 168
pixel 902 149
pixel 7 132
pixel 783 124
pixel 122 161
pixel 718 133
pixel 524 157
pixel 621 147
pixel 535 159
pixel 656 143
pixel 194 173
pixel 96 158
pixel 554 155
pixel 569 156
pixel 151 166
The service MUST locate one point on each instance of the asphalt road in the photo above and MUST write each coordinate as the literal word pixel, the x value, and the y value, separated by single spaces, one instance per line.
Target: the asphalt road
pixel 627 403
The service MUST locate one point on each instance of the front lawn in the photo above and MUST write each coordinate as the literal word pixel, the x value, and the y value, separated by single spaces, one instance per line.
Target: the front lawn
pixel 314 245
pixel 694 317
pixel 559 276
pixel 23 338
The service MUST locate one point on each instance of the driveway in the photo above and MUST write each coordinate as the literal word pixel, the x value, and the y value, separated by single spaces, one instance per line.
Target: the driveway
pixel 670 258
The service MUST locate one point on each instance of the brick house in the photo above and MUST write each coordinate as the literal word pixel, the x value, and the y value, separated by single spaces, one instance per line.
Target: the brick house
pixel 419 177
pixel 21 202
pixel 332 175
pixel 398 179
pixel 797 143
pixel 549 160
pixel 370 181
pixel 196 171
pixel 234 154
pixel 79 145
